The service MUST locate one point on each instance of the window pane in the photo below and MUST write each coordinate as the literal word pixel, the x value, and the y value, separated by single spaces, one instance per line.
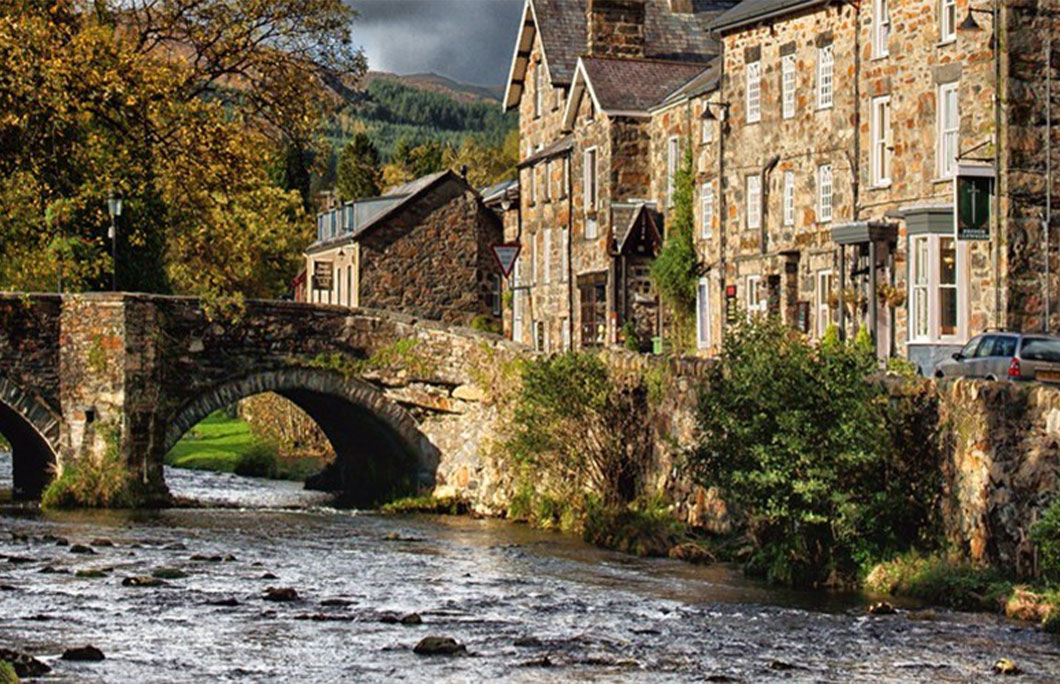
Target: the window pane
pixel 1040 349
pixel 947 311
pixel 947 261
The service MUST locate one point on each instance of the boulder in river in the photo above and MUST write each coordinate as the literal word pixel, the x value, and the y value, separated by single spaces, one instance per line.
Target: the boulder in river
pixel 82 548
pixel 412 619
pixel 203 558
pixel 168 573
pixel 280 594
pixel 142 581
pixel 225 602
pixel 90 573
pixel 1004 666
pixel 25 665
pixel 439 645
pixel 881 608
pixel 100 541
pixel 87 653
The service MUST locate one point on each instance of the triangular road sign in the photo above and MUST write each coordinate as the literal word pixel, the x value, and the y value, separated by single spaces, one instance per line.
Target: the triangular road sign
pixel 506 254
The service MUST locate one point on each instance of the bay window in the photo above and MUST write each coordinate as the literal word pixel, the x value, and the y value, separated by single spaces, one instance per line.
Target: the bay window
pixel 937 288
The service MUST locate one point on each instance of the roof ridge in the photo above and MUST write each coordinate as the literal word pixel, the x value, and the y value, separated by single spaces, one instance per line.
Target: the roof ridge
pixel 651 60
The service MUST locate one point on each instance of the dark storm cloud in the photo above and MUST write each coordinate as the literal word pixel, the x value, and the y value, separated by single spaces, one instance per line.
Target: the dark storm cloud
pixel 467 40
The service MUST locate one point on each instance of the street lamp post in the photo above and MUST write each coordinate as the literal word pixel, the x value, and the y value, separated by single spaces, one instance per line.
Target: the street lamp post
pixel 114 205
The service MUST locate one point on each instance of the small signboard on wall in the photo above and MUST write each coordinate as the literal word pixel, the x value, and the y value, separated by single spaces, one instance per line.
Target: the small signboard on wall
pixel 731 314
pixel 506 254
pixel 322 275
pixel 973 191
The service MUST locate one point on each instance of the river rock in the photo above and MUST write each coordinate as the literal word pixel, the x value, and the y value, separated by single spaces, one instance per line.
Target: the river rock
pixel 691 552
pixel 336 602
pixel 881 608
pixel 203 558
pixel 52 570
pixel 25 665
pixel 81 548
pixel 175 546
pixel 142 581
pixel 412 619
pixel 168 573
pixel 269 576
pixel 280 594
pixel 90 573
pixel 100 541
pixel 228 558
pixel 439 645
pixel 527 642
pixel 83 653
pixel 225 602
pixel 1004 666
pixel 543 661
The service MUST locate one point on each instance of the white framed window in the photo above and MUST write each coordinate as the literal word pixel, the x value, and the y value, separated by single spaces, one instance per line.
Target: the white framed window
pixel 824 305
pixel 949 127
pixel 703 322
pixel 591 230
pixel 938 289
pixel 547 185
pixel 754 91
pixel 590 181
pixel 673 154
pixel 824 193
pixel 564 257
pixel 825 77
pixel 880 152
pixel 755 299
pixel 566 177
pixel 754 201
pixel 881 27
pixel 919 255
pixel 548 256
pixel 787 86
pixel 707 211
pixel 538 93
pixel 947 21
pixel 789 198
pixel 531 194
pixel 706 129
pixel 564 328
pixel 517 302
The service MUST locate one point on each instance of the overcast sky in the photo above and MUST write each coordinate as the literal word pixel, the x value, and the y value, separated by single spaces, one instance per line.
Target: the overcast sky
pixel 467 40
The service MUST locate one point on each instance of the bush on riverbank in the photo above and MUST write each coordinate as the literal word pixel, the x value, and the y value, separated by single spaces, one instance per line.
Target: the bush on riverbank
pixel 7 673
pixel 93 483
pixel 800 441
pixel 1046 536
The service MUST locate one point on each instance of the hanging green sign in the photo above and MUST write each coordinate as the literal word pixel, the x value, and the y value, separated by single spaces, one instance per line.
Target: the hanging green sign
pixel 973 191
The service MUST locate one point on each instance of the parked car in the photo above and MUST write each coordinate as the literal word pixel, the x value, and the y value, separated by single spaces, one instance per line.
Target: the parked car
pixel 1006 356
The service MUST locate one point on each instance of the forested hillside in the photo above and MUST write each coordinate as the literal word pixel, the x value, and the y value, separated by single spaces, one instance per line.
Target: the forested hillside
pixel 389 110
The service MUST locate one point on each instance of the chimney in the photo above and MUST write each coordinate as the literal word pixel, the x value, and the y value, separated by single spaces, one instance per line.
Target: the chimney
pixel 681 6
pixel 616 27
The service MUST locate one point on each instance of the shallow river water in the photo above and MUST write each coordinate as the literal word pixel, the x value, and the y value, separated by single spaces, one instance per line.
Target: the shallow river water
pixel 530 606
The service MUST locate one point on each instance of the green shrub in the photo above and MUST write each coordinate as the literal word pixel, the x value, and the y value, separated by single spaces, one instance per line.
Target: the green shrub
pixel 486 324
pixel 798 440
pixel 260 460
pixel 644 528
pixel 105 482
pixel 1046 536
pixel 631 340
pixel 942 581
pixel 449 505
pixel 675 271
pixel 7 673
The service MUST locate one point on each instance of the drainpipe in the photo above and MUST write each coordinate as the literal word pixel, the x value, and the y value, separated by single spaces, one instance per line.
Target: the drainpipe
pixel 764 202
pixel 997 163
pixel 569 162
pixel 723 124
pixel 1048 165
pixel 855 183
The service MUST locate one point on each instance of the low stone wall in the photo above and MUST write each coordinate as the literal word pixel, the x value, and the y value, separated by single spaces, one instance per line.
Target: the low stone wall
pixel 1001 463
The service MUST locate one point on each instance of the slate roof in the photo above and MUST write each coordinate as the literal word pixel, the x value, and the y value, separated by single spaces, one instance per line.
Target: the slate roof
pixel 626 217
pixel 563 29
pixel 635 85
pixel 705 82
pixel 556 147
pixel 751 11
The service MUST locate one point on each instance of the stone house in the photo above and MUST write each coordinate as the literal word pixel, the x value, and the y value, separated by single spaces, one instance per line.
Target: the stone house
pixel 844 126
pixel 826 139
pixel 583 76
pixel 423 248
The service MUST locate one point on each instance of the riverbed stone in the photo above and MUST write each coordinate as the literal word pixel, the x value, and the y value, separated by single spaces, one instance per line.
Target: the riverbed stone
pixel 439 645
pixel 25 665
pixel 280 594
pixel 142 581
pixel 82 549
pixel 87 653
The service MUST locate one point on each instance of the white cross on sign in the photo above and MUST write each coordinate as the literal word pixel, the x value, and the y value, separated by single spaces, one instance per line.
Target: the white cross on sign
pixel 973 191
pixel 506 254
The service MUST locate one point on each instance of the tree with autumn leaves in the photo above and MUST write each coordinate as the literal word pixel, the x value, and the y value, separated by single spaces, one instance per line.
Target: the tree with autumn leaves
pixel 203 114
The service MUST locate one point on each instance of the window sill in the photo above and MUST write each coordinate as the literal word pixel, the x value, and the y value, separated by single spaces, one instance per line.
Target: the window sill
pixel 944 43
pixel 880 57
pixel 881 185
pixel 824 108
pixel 942 179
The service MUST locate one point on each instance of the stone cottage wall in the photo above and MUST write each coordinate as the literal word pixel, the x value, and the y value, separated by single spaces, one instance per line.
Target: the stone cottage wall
pixel 431 263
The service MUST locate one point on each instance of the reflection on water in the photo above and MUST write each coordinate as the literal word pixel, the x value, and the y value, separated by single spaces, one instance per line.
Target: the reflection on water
pixel 530 606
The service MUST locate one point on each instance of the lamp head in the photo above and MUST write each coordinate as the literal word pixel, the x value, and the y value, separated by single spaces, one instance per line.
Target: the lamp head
pixel 114 204
pixel 969 24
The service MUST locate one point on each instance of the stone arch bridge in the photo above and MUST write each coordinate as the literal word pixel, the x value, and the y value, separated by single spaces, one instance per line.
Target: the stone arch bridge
pixel 84 376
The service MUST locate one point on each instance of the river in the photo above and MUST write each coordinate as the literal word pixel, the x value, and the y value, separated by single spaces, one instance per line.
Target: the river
pixel 530 606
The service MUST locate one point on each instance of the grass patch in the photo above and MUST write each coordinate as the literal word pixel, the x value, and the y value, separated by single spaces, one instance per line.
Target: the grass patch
pixel 7 673
pixel 643 529
pixel 449 505
pixel 956 584
pixel 224 444
pixel 94 483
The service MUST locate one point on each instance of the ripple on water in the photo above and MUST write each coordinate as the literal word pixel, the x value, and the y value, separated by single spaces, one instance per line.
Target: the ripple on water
pixel 518 598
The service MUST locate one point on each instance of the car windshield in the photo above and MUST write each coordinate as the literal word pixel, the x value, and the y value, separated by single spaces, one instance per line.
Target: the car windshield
pixel 1040 349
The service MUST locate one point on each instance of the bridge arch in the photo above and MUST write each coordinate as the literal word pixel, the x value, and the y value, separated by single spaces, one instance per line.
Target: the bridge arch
pixel 379 448
pixel 32 429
